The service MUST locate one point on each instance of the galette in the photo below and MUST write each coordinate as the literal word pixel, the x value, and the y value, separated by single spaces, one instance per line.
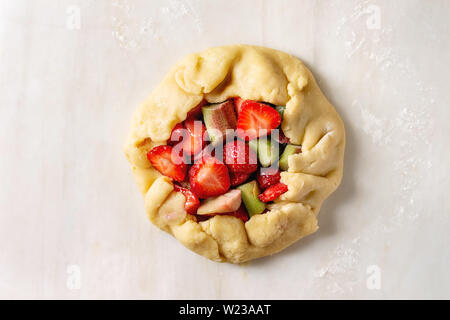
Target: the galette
pixel 235 152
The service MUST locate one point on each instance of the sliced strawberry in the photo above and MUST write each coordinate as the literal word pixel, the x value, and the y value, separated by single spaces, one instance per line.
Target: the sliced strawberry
pixel 238 104
pixel 196 112
pixel 192 202
pixel 169 163
pixel 256 119
pixel 237 178
pixel 209 177
pixel 267 177
pixel 176 135
pixel 194 140
pixel 241 213
pixel 273 192
pixel 239 157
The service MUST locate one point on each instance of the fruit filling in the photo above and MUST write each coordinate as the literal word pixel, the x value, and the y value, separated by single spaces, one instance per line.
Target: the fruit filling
pixel 226 158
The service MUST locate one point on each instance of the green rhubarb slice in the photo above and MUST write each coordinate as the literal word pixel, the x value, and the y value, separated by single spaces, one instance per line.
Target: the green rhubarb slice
pixel 267 152
pixel 218 119
pixel 253 144
pixel 280 110
pixel 249 194
pixel 288 151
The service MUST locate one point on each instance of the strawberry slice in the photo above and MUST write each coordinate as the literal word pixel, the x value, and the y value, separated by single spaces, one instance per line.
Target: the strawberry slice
pixel 192 202
pixel 209 177
pixel 193 142
pixel 239 157
pixel 177 134
pixel 237 178
pixel 240 213
pixel 256 119
pixel 273 192
pixel 167 162
pixel 238 104
pixel 267 177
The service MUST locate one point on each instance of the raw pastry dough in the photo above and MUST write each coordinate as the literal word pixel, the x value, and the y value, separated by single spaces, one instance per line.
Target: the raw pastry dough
pixel 256 73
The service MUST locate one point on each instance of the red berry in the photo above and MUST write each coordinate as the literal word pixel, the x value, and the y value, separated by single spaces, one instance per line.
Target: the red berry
pixel 267 177
pixel 193 142
pixel 256 119
pixel 240 213
pixel 209 177
pixel 238 178
pixel 176 135
pixel 273 192
pixel 239 157
pixel 192 202
pixel 167 162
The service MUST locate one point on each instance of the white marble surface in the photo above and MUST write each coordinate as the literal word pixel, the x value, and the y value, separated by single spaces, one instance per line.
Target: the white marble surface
pixel 69 208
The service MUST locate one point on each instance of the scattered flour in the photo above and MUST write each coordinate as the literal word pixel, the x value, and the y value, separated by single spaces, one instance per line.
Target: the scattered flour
pixel 407 131
pixel 132 31
pixel 340 272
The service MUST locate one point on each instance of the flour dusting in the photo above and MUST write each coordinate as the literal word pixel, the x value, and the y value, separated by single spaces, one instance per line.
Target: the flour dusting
pixel 340 272
pixel 409 129
pixel 405 133
pixel 134 30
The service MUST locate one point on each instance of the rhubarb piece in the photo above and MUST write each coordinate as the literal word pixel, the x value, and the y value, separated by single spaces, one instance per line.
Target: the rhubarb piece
pixel 239 157
pixel 250 192
pixel 167 162
pixel 256 120
pixel 273 192
pixel 228 202
pixel 237 178
pixel 267 177
pixel 280 110
pixel 209 177
pixel 218 118
pixel 267 152
pixel 192 202
pixel 288 151
pixel 253 144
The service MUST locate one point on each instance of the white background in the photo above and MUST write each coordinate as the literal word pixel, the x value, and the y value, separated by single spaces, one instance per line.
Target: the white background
pixel 72 222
